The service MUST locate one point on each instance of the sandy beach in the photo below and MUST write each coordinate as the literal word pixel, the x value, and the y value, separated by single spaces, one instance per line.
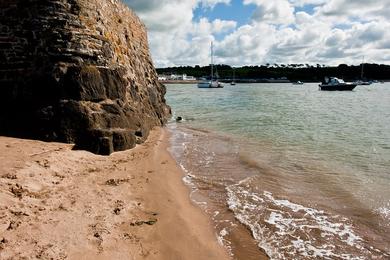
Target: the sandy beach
pixel 56 203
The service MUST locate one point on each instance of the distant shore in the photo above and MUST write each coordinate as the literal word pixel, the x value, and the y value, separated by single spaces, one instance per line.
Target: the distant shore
pixel 226 81
pixel 179 81
pixel 242 81
pixel 292 72
pixel 77 205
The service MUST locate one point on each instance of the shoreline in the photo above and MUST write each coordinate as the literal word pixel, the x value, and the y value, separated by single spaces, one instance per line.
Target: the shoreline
pixel 172 82
pixel 64 204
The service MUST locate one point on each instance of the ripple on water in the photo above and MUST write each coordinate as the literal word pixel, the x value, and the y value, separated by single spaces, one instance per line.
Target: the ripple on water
pixel 319 154
pixel 285 229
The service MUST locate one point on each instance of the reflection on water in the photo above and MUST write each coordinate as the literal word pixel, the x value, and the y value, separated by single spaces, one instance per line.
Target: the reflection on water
pixel 306 171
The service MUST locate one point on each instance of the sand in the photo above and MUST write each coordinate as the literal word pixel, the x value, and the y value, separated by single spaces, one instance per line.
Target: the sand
pixel 56 203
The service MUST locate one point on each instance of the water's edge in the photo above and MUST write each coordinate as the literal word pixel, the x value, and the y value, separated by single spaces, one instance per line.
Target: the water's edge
pixel 278 228
pixel 305 171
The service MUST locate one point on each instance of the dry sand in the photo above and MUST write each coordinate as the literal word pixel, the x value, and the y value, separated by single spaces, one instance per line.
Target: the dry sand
pixel 56 203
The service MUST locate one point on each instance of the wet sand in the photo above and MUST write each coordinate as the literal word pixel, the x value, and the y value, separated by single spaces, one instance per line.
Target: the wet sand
pixel 63 204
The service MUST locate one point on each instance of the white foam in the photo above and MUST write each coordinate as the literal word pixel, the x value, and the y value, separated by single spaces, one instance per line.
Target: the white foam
pixel 221 236
pixel 384 211
pixel 324 223
pixel 279 222
pixel 183 168
pixel 283 228
pixel 202 204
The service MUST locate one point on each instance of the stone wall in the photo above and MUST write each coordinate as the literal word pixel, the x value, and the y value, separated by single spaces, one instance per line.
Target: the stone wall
pixel 77 71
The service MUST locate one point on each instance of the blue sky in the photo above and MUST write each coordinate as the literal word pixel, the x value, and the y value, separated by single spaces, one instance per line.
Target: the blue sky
pixel 235 11
pixel 254 32
pixel 306 8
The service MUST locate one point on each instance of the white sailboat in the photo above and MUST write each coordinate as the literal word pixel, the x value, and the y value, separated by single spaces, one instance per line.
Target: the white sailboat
pixel 233 83
pixel 362 82
pixel 212 83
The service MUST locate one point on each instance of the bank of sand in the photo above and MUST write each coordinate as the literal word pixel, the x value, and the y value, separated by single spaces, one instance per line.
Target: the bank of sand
pixel 56 203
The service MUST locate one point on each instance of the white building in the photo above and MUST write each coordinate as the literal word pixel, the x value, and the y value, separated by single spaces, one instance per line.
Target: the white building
pixel 176 77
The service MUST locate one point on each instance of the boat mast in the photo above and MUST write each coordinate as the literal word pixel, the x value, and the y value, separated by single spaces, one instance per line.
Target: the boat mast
pixel 212 62
pixel 362 73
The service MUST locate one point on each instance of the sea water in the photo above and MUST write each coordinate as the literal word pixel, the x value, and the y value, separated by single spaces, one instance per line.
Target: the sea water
pixel 288 170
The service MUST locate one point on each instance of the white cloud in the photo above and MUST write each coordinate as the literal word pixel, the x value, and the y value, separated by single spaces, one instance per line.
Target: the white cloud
pixel 213 3
pixel 276 11
pixel 336 38
pixel 334 31
pixel 164 15
pixel 220 26
pixel 247 45
pixel 307 2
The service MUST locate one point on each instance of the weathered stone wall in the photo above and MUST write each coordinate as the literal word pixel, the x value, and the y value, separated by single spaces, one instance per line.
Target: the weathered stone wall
pixel 77 71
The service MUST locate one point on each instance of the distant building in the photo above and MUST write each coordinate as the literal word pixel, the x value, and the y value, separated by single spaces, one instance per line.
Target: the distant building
pixel 172 77
pixel 190 78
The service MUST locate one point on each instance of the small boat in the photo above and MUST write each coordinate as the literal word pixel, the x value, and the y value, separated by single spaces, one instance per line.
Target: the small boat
pixel 335 84
pixel 233 83
pixel 212 83
pixel 298 83
pixel 362 83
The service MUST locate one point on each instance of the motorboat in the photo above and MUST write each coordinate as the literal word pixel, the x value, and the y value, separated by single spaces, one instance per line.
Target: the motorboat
pixel 336 84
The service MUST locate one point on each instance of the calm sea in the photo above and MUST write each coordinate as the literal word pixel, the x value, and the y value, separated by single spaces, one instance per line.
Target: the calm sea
pixel 288 170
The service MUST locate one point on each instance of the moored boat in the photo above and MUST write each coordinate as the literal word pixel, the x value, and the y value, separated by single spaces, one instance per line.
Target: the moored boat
pixel 298 83
pixel 212 83
pixel 362 83
pixel 336 84
pixel 233 83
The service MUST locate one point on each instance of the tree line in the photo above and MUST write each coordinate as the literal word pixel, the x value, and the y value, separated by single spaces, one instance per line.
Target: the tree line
pixel 293 72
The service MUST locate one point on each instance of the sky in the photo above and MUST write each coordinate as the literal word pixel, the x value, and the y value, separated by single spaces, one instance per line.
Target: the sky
pixel 256 32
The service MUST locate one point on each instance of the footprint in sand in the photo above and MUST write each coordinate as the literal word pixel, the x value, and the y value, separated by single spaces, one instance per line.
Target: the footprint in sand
pixel 43 163
pixel 119 206
pixel 17 190
pixel 9 176
pixel 116 182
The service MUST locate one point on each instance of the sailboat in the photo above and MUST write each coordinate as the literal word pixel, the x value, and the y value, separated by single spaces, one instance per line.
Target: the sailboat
pixel 362 82
pixel 233 83
pixel 213 82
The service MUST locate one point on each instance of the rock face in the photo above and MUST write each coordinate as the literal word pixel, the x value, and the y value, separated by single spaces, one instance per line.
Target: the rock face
pixel 77 71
